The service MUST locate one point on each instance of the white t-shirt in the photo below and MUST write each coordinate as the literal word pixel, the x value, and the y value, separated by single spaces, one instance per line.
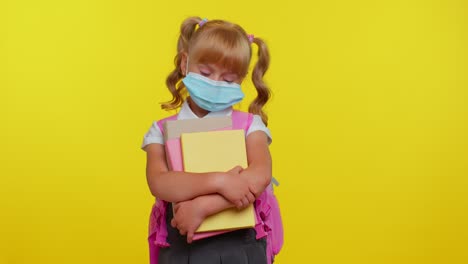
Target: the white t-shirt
pixel 154 134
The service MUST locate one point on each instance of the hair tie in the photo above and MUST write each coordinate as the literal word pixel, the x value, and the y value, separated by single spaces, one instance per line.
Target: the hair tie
pixel 201 23
pixel 250 37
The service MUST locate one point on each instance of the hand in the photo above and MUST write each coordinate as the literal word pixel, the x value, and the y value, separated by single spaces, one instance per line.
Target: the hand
pixel 188 216
pixel 236 189
pixel 256 186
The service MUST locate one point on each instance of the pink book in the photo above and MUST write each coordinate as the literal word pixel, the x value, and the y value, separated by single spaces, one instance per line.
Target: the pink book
pixel 174 154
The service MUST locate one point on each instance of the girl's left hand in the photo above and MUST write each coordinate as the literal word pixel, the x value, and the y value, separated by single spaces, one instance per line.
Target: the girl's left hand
pixel 188 216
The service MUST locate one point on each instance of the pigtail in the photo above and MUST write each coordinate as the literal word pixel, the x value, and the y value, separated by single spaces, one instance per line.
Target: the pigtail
pixel 173 82
pixel 263 92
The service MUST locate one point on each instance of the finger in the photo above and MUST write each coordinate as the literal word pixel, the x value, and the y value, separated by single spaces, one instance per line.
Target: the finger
pixel 236 169
pixel 189 237
pixel 174 223
pixel 251 197
pixel 176 207
pixel 245 202
pixel 182 232
pixel 239 204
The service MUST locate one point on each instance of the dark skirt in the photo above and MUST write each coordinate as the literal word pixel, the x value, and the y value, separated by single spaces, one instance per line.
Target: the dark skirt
pixel 236 247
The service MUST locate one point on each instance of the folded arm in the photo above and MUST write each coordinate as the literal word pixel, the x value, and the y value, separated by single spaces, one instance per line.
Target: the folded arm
pixel 176 186
pixel 191 213
pixel 257 175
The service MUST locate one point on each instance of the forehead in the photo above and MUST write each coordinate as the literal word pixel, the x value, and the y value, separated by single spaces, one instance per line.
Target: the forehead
pixel 233 56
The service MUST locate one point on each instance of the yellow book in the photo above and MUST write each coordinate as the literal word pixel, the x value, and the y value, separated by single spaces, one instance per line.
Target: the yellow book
pixel 218 151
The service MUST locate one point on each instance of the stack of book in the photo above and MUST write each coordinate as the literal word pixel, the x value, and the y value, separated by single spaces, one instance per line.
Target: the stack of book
pixel 208 145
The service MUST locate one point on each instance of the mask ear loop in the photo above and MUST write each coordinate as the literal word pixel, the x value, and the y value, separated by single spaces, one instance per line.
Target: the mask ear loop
pixel 186 66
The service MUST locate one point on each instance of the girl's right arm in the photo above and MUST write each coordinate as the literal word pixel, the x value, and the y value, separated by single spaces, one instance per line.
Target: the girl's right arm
pixel 188 215
pixel 177 186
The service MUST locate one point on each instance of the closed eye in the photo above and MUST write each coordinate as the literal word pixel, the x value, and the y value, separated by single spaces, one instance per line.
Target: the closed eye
pixel 205 73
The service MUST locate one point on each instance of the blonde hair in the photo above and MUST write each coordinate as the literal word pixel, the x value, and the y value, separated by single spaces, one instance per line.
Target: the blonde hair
pixel 218 41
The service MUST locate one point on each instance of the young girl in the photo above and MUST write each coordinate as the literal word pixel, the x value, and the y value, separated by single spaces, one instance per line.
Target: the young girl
pixel 212 61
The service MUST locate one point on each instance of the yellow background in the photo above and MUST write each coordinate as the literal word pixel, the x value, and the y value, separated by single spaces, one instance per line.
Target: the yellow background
pixel 369 118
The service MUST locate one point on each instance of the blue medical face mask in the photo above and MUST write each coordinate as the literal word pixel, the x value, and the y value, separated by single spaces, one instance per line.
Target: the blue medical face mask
pixel 212 95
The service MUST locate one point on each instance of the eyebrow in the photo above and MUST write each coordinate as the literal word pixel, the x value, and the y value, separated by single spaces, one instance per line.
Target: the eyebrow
pixel 205 66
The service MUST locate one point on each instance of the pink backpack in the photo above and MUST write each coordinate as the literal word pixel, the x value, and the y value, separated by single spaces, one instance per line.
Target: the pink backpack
pixel 267 210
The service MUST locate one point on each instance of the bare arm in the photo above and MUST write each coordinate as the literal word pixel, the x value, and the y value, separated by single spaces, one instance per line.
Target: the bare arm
pixel 258 175
pixel 188 215
pixel 177 186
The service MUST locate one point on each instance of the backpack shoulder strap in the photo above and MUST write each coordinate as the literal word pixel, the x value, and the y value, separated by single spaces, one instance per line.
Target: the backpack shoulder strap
pixel 241 120
pixel 157 236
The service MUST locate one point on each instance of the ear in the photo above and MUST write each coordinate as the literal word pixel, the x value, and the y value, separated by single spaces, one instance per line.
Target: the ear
pixel 183 63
